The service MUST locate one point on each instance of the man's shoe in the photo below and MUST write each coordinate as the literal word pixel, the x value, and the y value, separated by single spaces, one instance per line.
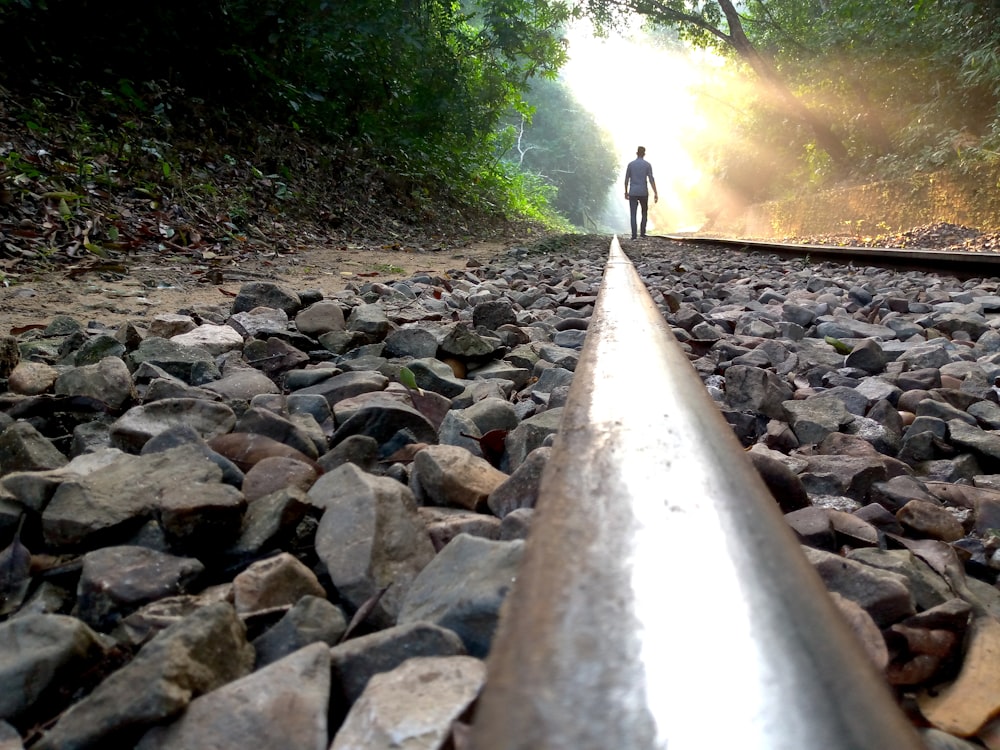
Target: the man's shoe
pixel 633 236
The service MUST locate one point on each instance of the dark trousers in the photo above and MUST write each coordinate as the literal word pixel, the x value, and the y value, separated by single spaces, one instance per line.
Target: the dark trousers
pixel 634 201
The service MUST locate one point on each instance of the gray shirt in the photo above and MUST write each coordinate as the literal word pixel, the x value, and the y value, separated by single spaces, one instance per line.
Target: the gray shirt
pixel 636 174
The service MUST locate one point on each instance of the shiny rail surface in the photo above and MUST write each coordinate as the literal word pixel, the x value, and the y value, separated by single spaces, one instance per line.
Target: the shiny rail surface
pixel 663 602
pixel 963 264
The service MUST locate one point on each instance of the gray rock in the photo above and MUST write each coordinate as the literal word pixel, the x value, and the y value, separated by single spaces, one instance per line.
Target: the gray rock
pixel 108 381
pixel 265 422
pixel 112 503
pixel 38 652
pixel 134 428
pixel 254 294
pixel 346 385
pixel 929 589
pixel 434 375
pixel 370 320
pixel 194 656
pixel 463 587
pixel 382 421
pixel 520 489
pixel 411 341
pixel 23 448
pixel 444 524
pixel 241 384
pixel 115 581
pixel 311 619
pixel 413 706
pixel 321 317
pixel 885 595
pixel 532 433
pixel 370 537
pixel 192 364
pixel 356 661
pixel 756 389
pixel 282 705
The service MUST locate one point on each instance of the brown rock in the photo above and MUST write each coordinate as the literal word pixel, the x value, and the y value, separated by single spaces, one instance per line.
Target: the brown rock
pixel 928 520
pixel 276 473
pixel 32 378
pixel 247 449
pixel 275 582
pixel 962 707
pixel 452 475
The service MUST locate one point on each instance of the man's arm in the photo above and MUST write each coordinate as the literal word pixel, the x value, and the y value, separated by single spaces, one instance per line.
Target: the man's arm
pixel 626 181
pixel 656 196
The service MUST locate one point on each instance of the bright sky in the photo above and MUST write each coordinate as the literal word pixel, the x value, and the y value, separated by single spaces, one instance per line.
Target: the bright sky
pixel 643 96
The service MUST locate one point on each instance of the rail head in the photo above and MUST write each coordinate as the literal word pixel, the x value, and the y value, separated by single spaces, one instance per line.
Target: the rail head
pixel 663 601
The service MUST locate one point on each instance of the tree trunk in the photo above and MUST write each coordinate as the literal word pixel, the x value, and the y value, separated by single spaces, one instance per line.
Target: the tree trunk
pixel 825 137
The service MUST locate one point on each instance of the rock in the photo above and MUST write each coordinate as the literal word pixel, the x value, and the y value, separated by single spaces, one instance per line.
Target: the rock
pixel 200 522
pixel 39 654
pixel 32 378
pixel 444 524
pixel 282 705
pixel 370 537
pixel 246 450
pixel 963 706
pixel 882 594
pixel 274 473
pixel 311 619
pixel 532 433
pixel 929 520
pixel 356 661
pixel 115 581
pixel 370 320
pixel 112 503
pixel 463 587
pixel 452 476
pixel 520 489
pixel 214 339
pixel 414 705
pixel 200 653
pixel 256 294
pixel 23 448
pixel 241 384
pixel 191 364
pixel 141 423
pixel 275 582
pixel 320 317
pixel 865 630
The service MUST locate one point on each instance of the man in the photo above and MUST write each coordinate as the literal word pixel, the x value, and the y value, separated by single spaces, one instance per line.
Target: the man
pixel 636 190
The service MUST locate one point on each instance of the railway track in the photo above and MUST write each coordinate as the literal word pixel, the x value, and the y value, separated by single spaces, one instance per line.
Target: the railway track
pixel 607 640
pixel 962 264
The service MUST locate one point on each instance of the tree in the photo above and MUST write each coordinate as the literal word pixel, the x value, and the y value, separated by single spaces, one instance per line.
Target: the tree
pixel 563 144
pixel 719 24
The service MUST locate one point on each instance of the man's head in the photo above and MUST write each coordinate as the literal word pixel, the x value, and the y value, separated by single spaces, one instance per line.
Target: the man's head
pixel 641 151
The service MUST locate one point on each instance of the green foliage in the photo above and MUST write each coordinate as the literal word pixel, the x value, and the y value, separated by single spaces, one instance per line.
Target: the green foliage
pixel 417 87
pixel 562 145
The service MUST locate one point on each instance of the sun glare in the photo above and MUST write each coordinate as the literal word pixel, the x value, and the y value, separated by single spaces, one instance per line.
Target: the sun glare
pixel 645 95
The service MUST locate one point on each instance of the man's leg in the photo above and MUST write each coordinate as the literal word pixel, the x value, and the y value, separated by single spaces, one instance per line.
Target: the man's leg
pixel 633 204
pixel 644 202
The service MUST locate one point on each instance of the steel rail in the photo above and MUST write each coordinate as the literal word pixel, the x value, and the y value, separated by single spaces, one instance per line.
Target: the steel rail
pixel 663 602
pixel 917 258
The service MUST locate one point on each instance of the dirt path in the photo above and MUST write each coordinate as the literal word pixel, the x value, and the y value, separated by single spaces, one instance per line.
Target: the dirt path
pixel 148 289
